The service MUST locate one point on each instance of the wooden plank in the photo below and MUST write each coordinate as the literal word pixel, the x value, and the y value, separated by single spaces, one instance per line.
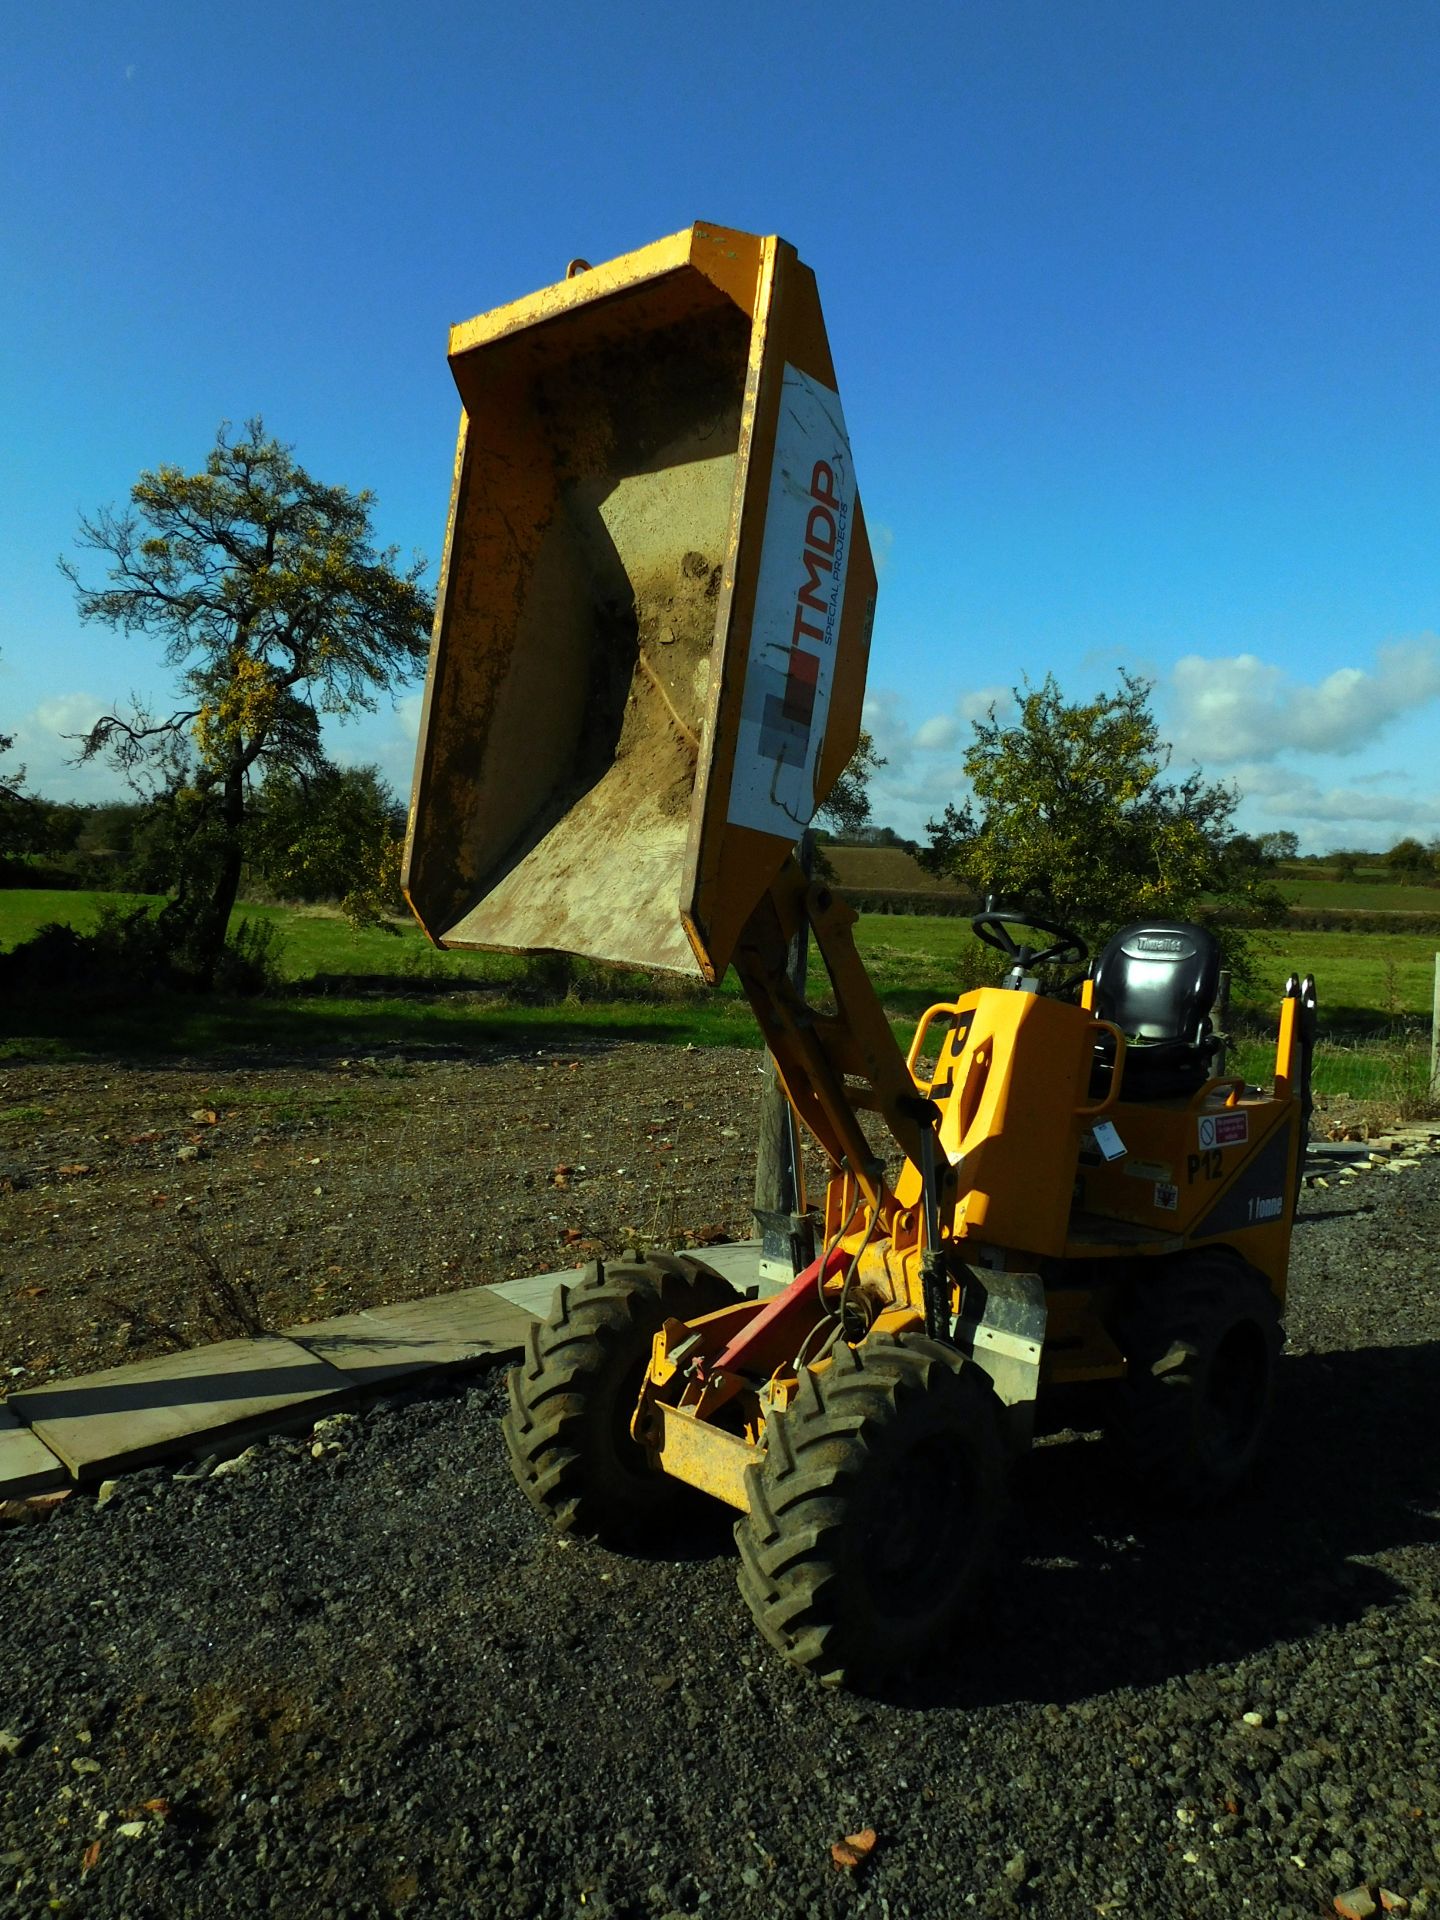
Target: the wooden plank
pixel 737 1260
pixel 413 1337
pixel 26 1464
pixel 534 1293
pixel 180 1404
pixel 126 1417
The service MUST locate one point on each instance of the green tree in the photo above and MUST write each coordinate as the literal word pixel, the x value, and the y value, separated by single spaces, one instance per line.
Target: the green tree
pixel 270 600
pixel 1409 858
pixel 1282 845
pixel 332 835
pixel 20 817
pixel 1074 818
pixel 14 806
pixel 847 808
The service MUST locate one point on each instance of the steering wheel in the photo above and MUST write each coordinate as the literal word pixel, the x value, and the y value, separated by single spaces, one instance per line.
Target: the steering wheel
pixel 993 927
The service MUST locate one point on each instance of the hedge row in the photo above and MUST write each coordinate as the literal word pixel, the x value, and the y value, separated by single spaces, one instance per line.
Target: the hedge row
pixel 35 873
pixel 1337 920
pixel 957 905
pixel 946 906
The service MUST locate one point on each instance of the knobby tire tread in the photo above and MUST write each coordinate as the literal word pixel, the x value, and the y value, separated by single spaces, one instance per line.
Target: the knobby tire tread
pixel 1174 1321
pixel 796 1571
pixel 596 1331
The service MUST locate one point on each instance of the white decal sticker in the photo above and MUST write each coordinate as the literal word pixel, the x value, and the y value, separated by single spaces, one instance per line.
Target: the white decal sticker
pixel 1107 1139
pixel 1167 1197
pixel 798 603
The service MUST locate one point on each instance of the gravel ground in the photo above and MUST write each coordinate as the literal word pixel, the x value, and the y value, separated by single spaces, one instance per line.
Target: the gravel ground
pixel 358 1676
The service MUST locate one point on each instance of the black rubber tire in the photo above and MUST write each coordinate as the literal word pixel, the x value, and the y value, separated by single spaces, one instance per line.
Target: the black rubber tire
pixel 873 1512
pixel 1201 1335
pixel 574 1392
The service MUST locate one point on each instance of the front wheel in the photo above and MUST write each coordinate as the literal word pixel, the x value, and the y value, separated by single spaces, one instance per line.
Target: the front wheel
pixel 574 1393
pixel 873 1512
pixel 1201 1337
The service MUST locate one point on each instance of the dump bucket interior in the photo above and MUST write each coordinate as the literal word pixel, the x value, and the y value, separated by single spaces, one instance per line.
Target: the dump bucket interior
pixel 585 608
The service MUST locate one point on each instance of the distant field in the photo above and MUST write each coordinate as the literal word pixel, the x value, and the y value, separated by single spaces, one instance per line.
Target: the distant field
pixel 315 943
pixel 1371 890
pixel 24 910
pixel 913 958
pixel 357 991
pixel 888 869
pixel 1378 895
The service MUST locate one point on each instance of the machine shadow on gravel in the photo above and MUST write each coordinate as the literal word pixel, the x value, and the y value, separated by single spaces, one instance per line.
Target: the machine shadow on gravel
pixel 1095 1594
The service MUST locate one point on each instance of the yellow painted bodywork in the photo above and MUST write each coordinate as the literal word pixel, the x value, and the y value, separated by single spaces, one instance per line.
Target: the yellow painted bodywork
pixel 705 1457
pixel 1031 1192
pixel 1012 1086
pixel 619 459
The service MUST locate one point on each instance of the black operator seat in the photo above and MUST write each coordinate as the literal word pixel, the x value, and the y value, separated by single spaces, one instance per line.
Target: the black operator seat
pixel 1156 980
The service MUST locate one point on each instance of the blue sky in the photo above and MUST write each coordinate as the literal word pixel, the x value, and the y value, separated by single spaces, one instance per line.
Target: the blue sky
pixel 1134 308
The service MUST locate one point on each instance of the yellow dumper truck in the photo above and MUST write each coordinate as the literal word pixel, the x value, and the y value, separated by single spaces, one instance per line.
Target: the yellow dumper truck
pixel 648 665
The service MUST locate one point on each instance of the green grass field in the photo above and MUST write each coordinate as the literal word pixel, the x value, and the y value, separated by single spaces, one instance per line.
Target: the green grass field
pixel 356 990
pixel 352 992
pixel 1380 894
pixel 1365 979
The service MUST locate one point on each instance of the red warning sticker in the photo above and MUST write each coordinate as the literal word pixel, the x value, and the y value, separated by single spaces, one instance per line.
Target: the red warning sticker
pixel 1223 1129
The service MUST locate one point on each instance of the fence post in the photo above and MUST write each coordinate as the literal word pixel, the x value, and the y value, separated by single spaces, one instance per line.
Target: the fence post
pixel 1435 1036
pixel 780 1201
pixel 1220 1021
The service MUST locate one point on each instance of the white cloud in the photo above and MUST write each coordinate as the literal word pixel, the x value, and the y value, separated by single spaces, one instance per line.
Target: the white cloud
pixel 977 705
pixel 66 714
pixel 943 732
pixel 883 717
pixel 1224 711
pixel 922 768
pixel 43 747
pixel 939 732
pixel 385 740
pixel 1293 799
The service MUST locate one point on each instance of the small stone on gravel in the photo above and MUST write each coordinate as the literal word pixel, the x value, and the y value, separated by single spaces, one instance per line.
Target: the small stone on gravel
pixel 1357 1904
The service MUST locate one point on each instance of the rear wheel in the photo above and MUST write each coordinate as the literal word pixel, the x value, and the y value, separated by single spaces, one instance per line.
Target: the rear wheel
pixel 1202 1339
pixel 574 1393
pixel 873 1512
